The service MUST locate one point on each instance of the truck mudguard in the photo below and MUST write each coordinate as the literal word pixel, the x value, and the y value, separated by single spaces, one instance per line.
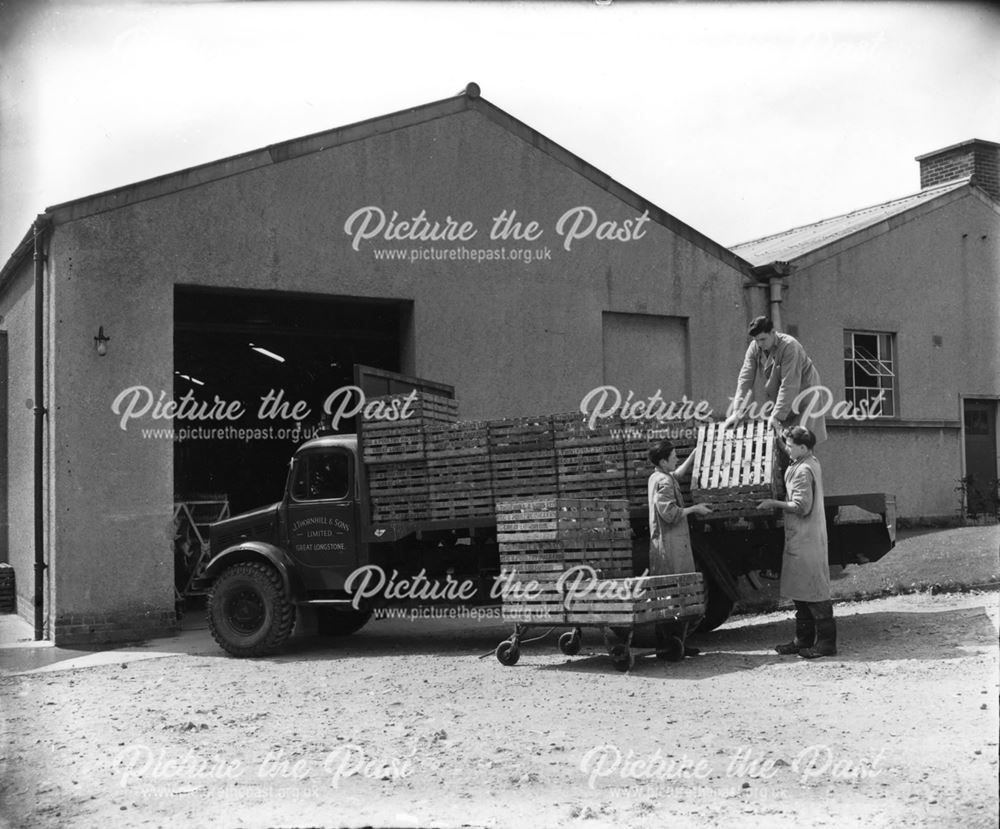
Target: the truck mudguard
pixel 258 551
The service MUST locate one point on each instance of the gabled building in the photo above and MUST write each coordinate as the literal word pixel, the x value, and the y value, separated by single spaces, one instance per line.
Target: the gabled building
pixel 899 303
pixel 449 241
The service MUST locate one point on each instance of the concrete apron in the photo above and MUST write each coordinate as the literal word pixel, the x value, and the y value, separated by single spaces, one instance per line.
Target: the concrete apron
pixel 21 654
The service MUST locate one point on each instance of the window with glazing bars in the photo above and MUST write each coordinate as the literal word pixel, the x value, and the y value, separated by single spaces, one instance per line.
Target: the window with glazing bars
pixel 870 371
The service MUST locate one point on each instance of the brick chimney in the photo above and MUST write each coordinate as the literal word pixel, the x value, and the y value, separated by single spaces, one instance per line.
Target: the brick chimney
pixel 977 158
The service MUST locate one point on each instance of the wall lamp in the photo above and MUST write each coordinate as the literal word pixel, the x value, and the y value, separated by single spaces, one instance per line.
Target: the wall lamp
pixel 101 342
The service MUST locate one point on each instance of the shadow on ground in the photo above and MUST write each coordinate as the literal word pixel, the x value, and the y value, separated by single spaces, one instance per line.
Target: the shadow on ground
pixel 744 643
pixel 869 637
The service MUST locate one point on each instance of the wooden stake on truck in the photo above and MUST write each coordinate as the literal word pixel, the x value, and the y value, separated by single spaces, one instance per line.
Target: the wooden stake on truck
pixel 413 501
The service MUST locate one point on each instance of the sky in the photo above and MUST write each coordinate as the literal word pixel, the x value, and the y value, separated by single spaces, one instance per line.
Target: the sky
pixel 740 120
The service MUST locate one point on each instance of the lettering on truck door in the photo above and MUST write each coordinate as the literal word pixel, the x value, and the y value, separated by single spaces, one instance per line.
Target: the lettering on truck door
pixel 322 524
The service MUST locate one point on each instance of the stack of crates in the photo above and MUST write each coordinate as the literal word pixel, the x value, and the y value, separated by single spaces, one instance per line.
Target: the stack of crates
pixel 590 461
pixel 395 456
pixel 522 457
pixel 542 539
pixel 8 595
pixel 459 478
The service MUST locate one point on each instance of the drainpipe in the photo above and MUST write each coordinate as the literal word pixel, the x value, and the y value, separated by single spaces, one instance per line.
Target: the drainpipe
pixel 40 411
pixel 775 284
pixel 774 300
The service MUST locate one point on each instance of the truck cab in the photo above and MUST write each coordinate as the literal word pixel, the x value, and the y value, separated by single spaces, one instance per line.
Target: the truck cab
pixel 267 563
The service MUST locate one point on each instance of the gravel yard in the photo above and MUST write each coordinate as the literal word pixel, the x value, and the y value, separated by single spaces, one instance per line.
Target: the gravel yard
pixel 403 725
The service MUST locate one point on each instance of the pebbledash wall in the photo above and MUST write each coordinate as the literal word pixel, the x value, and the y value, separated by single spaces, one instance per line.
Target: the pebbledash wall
pixel 512 338
pixel 931 277
pixel 925 269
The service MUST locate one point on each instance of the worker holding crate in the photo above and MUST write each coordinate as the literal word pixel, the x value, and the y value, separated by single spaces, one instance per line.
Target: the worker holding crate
pixel 669 536
pixel 805 567
pixel 786 370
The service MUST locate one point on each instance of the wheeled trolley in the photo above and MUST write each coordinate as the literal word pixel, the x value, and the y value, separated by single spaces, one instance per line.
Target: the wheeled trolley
pixel 645 607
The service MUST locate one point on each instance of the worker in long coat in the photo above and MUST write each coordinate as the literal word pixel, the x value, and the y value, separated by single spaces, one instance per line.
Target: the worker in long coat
pixel 805 566
pixel 669 536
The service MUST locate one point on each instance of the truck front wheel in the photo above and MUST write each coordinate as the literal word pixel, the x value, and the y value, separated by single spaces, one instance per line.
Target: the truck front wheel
pixel 248 612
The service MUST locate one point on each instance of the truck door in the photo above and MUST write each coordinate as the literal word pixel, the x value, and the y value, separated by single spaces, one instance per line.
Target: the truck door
pixel 322 514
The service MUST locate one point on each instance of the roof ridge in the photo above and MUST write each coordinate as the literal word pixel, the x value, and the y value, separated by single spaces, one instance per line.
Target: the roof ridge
pixel 948 185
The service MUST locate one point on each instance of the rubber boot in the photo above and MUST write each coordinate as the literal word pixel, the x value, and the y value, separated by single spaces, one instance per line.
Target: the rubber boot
pixel 826 632
pixel 805 631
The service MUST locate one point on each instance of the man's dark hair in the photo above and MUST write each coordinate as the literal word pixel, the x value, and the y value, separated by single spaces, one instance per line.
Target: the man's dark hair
pixel 761 325
pixel 802 436
pixel 660 452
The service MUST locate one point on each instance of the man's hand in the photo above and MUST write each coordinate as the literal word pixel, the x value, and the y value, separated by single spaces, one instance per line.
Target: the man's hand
pixel 770 503
pixel 701 509
pixel 732 420
pixel 776 425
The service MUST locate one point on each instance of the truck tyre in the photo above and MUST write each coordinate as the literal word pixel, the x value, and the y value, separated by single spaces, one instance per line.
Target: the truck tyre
pixel 248 612
pixel 718 606
pixel 330 622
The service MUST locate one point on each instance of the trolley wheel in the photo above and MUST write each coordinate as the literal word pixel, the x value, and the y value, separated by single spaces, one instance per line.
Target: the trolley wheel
pixel 672 649
pixel 569 643
pixel 622 658
pixel 508 653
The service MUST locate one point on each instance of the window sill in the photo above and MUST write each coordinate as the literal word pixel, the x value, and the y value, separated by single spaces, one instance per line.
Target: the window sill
pixel 892 423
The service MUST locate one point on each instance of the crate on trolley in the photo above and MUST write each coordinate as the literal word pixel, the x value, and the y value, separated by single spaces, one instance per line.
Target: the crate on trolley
pixel 554 535
pixel 567 562
pixel 617 607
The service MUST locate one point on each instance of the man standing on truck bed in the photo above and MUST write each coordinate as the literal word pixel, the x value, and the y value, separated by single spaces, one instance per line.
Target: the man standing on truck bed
pixel 782 363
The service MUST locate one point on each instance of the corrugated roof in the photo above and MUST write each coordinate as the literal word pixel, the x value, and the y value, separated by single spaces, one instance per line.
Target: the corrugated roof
pixel 791 244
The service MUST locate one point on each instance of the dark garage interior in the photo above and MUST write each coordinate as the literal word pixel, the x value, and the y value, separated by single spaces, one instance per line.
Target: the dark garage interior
pixel 243 345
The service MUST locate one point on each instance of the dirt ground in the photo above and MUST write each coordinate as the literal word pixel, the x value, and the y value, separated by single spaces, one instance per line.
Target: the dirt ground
pixel 403 725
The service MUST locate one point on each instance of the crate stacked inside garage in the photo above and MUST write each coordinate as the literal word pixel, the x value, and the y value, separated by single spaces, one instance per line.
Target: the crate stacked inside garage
pixel 541 540
pixel 732 468
pixel 8 596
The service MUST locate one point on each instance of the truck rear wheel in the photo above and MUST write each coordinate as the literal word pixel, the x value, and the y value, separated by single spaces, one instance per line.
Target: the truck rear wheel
pixel 718 606
pixel 330 622
pixel 248 612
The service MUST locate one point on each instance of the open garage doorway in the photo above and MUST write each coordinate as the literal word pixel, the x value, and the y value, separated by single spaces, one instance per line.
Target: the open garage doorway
pixel 243 346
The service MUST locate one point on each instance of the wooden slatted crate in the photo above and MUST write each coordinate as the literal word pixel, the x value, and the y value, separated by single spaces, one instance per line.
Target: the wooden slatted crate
pixel 556 534
pixel 561 519
pixel 624 602
pixel 8 593
pixel 590 461
pixel 609 558
pixel 459 473
pixel 522 457
pixel 732 468
pixel 398 491
pixel 405 440
pixel 431 409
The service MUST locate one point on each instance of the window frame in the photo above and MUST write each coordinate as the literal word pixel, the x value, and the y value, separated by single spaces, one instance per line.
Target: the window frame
pixel 306 461
pixel 881 366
